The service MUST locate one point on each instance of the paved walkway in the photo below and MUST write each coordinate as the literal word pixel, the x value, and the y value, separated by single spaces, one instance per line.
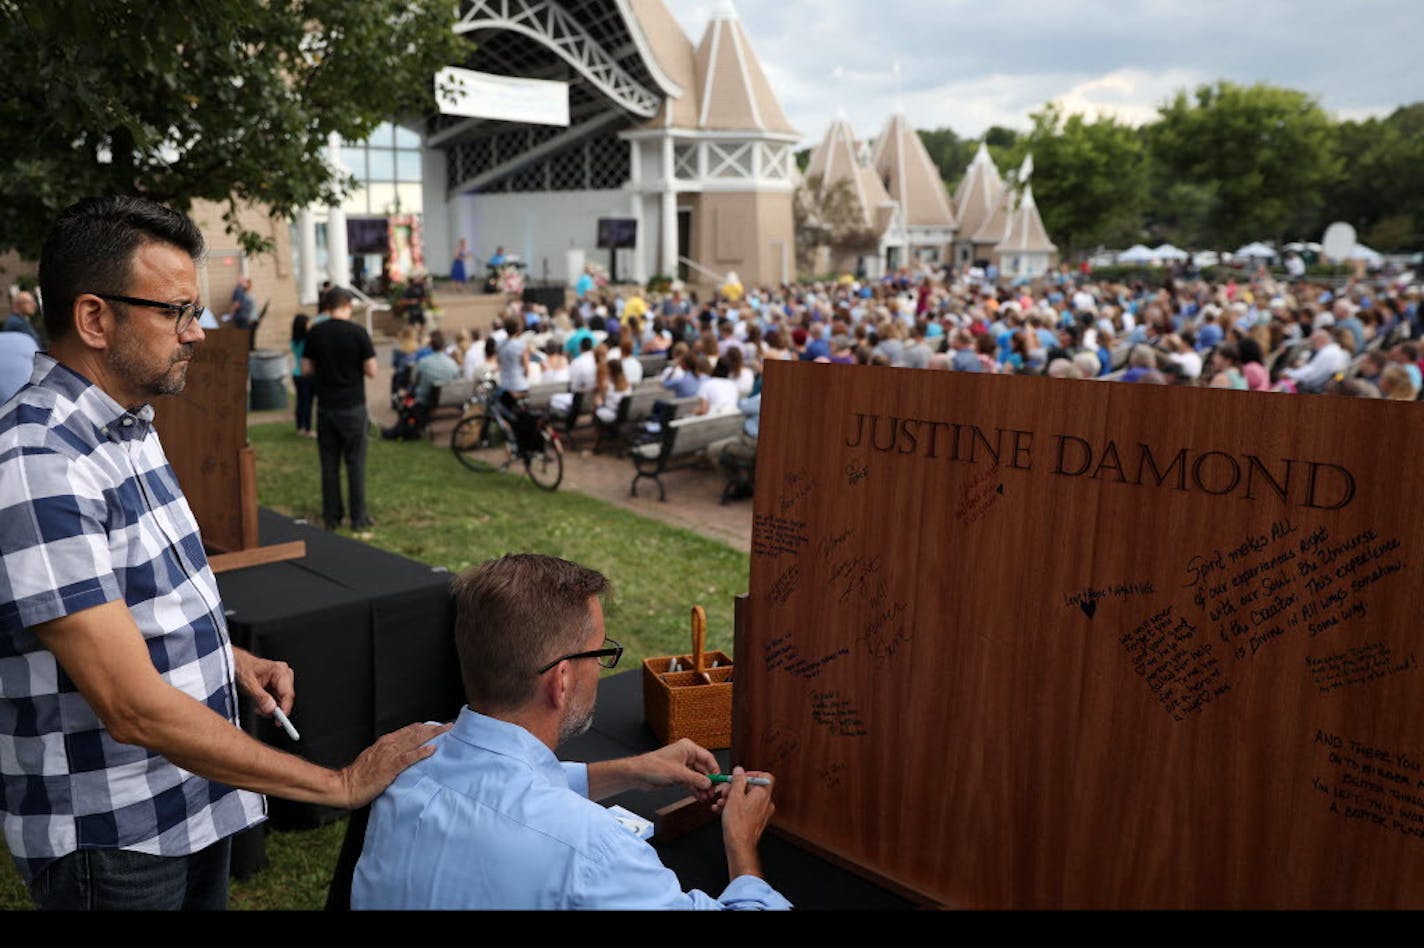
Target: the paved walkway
pixel 693 494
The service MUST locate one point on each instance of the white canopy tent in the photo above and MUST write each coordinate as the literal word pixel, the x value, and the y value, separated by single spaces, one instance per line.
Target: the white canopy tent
pixel 1168 252
pixel 1371 257
pixel 1137 253
pixel 1256 251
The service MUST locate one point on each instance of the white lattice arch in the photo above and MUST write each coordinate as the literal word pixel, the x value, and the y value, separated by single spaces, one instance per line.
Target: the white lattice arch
pixel 548 23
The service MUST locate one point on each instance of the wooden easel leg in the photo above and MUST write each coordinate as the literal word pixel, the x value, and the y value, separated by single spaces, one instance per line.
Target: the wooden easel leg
pixel 247 482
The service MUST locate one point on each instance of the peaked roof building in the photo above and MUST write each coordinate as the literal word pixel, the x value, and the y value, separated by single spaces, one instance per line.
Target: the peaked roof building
pixel 1026 233
pixel 979 194
pixel 722 83
pixel 996 225
pixel 839 158
pixel 999 223
pixel 717 156
pixel 734 92
pixel 911 177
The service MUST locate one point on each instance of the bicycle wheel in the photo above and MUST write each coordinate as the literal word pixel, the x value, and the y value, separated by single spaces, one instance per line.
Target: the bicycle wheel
pixel 469 438
pixel 546 468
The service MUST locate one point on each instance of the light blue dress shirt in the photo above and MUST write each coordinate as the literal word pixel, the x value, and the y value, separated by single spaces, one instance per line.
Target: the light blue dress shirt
pixel 493 820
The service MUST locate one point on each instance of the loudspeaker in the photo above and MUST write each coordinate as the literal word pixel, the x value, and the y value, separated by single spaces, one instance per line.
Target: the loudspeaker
pixel 550 296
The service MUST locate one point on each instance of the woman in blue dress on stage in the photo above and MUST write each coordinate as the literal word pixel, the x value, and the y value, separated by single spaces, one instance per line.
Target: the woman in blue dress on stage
pixel 458 276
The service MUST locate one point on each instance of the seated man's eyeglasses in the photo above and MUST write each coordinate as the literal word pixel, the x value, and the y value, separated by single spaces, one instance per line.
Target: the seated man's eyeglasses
pixel 607 656
pixel 183 313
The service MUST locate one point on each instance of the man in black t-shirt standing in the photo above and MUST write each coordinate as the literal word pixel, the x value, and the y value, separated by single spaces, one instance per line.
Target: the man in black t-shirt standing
pixel 340 357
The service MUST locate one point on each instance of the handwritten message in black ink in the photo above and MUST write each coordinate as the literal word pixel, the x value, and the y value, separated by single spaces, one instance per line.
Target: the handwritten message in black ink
pixel 1371 785
pixel 886 634
pixel 839 715
pixel 1179 668
pixel 773 536
pixel 796 486
pixel 828 546
pixel 1357 665
pixel 784 586
pixel 782 654
pixel 1279 582
pixel 781 742
pixel 858 577
pixel 830 775
pixel 1087 599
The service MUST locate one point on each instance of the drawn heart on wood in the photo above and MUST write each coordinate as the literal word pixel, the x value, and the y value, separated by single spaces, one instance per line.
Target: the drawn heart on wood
pixel 1089 608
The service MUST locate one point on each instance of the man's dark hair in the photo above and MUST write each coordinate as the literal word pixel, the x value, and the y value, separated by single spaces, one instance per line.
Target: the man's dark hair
pixel 513 616
pixel 585 344
pixel 437 340
pixel 1250 350
pixel 338 297
pixel 90 249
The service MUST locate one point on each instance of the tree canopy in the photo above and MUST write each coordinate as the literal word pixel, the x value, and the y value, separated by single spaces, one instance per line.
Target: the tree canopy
pixel 1267 152
pixel 1221 165
pixel 224 100
pixel 1090 179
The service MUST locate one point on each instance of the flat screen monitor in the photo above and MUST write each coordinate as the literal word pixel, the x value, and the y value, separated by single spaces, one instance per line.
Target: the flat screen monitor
pixel 616 233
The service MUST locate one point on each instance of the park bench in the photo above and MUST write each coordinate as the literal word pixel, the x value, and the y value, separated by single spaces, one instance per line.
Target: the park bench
pixel 539 395
pixel 682 441
pixel 653 363
pixel 633 409
pixel 450 399
pixel 580 405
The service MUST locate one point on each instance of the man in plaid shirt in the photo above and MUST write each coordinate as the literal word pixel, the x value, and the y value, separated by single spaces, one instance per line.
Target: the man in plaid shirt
pixel 120 755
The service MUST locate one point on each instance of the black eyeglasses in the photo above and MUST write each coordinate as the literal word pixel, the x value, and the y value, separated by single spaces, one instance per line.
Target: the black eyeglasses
pixel 607 656
pixel 183 313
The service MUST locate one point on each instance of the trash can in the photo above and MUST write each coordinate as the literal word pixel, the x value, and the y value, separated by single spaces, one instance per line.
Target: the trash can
pixel 267 368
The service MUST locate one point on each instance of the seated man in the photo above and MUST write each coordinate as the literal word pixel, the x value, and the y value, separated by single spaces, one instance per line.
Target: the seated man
pixel 737 456
pixel 432 370
pixel 493 820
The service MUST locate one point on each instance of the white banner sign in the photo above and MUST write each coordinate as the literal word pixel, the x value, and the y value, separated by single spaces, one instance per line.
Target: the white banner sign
pixel 482 95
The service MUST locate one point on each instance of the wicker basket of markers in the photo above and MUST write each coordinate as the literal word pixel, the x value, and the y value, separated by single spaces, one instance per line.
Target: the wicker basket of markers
pixel 690 695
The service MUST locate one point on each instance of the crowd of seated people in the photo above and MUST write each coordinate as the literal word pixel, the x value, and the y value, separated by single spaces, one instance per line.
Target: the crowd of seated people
pixel 1257 332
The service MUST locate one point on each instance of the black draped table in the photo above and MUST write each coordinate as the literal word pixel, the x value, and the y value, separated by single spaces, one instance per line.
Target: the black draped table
pixel 618 730
pixel 368 634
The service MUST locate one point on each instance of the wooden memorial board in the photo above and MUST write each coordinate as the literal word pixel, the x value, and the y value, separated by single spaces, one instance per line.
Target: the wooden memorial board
pixel 1037 643
pixel 204 432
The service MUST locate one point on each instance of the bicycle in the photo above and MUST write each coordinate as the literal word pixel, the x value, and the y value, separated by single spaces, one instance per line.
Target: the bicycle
pixel 528 437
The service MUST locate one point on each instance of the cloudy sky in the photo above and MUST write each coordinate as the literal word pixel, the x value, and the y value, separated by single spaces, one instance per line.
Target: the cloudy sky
pixel 969 64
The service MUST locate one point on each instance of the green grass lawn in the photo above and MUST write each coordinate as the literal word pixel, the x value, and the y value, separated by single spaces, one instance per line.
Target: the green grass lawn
pixel 429 508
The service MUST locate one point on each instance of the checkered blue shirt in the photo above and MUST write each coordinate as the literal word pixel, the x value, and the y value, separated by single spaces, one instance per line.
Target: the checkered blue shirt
pixel 90 512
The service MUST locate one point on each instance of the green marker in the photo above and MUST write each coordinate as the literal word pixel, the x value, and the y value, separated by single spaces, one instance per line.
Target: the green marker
pixel 727 778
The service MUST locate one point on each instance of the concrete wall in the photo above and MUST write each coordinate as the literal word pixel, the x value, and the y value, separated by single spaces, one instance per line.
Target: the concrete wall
pixel 438 219
pixel 540 226
pixel 273 279
pixel 752 234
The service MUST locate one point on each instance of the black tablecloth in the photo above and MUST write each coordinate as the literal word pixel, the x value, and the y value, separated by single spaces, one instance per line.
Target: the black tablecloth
pixel 368 634
pixel 698 859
